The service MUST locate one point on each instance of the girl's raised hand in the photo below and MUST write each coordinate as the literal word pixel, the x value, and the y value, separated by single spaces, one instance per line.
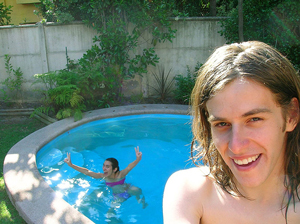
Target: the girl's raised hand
pixel 138 153
pixel 68 159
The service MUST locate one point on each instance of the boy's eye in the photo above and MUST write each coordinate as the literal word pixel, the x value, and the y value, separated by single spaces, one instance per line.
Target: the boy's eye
pixel 221 124
pixel 255 119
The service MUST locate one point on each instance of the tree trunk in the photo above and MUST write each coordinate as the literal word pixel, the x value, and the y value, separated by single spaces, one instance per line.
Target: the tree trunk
pixel 241 23
pixel 212 7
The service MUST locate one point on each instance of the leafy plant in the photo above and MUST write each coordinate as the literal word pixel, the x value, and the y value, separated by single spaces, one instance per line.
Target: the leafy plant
pixel 136 98
pixel 164 84
pixel 84 84
pixel 185 84
pixel 274 22
pixel 59 11
pixel 61 94
pixel 13 82
pixel 4 14
pixel 98 76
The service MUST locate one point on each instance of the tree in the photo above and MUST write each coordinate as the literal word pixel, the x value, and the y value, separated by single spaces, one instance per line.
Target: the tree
pixel 98 76
pixel 212 7
pixel 241 23
pixel 275 22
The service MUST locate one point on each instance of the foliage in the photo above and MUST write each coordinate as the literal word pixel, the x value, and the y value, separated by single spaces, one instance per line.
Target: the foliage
pixel 185 84
pixel 96 79
pixel 13 82
pixel 275 22
pixel 193 8
pixel 61 94
pixel 4 14
pixel 136 98
pixel 163 82
pixel 196 8
pixel 79 10
pixel 224 7
pixel 67 11
pixel 60 11
pixel 120 24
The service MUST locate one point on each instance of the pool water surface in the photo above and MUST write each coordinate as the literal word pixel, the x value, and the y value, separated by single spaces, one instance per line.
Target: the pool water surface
pixel 163 139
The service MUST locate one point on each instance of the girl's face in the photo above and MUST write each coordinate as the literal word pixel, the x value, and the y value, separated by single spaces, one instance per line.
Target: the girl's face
pixel 107 168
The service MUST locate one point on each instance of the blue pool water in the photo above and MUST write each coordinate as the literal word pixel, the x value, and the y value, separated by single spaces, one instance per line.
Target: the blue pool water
pixel 164 141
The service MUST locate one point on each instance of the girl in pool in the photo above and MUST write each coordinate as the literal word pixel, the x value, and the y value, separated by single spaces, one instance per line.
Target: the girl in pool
pixel 115 178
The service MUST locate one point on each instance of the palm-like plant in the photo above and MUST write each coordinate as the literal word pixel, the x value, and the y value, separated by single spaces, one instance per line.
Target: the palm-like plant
pixel 163 83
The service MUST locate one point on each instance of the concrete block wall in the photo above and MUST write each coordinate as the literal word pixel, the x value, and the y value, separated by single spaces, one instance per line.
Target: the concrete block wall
pixel 196 39
pixel 41 48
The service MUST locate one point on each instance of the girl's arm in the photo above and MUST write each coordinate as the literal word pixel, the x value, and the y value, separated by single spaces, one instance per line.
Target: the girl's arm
pixel 138 154
pixel 81 169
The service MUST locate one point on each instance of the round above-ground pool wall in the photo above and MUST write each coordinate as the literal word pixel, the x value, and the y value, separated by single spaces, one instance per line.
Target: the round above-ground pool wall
pixel 34 199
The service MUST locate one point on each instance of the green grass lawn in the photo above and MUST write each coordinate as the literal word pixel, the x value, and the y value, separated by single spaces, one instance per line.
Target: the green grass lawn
pixel 12 131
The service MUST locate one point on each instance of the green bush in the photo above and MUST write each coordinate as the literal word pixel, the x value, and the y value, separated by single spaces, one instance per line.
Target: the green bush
pixel 13 82
pixel 275 22
pixel 96 80
pixel 84 84
pixel 62 94
pixel 185 84
pixel 4 14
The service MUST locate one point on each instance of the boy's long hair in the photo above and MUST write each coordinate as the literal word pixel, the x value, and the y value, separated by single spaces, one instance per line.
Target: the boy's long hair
pixel 259 62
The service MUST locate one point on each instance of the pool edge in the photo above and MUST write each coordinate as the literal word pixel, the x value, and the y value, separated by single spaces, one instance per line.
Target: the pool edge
pixel 30 194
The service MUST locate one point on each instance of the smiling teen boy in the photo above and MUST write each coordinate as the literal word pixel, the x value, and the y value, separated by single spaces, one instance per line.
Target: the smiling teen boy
pixel 246 123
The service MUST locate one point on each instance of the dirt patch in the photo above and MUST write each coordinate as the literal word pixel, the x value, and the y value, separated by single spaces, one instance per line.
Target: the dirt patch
pixel 13 105
pixel 7 119
pixel 13 119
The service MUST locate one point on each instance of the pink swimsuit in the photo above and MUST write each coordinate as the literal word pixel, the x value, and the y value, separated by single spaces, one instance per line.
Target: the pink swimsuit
pixel 124 195
pixel 111 184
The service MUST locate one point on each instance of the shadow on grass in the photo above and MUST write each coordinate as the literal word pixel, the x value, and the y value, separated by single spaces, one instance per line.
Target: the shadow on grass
pixel 12 130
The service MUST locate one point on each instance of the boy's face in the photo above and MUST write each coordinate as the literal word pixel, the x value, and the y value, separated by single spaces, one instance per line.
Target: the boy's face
pixel 249 131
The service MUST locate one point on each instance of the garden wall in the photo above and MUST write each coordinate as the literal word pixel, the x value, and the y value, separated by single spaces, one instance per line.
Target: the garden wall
pixel 42 48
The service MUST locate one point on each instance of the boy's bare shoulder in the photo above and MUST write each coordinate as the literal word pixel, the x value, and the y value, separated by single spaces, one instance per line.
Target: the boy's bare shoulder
pixel 185 194
pixel 192 180
pixel 201 171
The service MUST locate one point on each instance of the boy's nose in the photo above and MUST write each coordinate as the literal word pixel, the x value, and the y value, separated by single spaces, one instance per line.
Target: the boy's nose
pixel 238 140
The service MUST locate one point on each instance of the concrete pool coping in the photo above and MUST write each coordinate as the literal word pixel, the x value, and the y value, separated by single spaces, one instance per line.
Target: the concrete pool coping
pixel 33 198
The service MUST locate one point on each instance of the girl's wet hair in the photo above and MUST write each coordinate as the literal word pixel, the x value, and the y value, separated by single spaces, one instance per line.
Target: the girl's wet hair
pixel 114 163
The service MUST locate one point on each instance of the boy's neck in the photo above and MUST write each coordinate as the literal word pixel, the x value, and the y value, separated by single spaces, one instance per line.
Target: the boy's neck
pixel 272 191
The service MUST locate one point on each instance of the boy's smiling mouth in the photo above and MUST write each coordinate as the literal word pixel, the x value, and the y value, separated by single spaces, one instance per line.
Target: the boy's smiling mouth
pixel 246 161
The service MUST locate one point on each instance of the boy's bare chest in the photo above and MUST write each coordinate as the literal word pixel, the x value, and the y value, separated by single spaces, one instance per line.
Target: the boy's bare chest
pixel 239 211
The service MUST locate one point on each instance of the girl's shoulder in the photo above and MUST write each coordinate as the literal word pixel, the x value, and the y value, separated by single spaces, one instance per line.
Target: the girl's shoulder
pixel 120 175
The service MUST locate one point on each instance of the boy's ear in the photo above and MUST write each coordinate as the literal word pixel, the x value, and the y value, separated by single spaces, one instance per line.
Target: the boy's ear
pixel 292 118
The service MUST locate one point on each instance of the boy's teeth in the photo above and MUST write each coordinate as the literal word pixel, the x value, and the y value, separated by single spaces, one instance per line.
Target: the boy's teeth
pixel 246 161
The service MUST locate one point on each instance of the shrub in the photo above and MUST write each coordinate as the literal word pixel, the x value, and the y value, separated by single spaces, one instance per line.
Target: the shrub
pixel 114 55
pixel 163 83
pixel 4 14
pixel 274 22
pixel 185 84
pixel 13 82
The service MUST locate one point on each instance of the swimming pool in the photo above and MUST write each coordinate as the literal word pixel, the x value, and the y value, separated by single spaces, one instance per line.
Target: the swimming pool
pixel 164 140
pixel 153 184
pixel 33 198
